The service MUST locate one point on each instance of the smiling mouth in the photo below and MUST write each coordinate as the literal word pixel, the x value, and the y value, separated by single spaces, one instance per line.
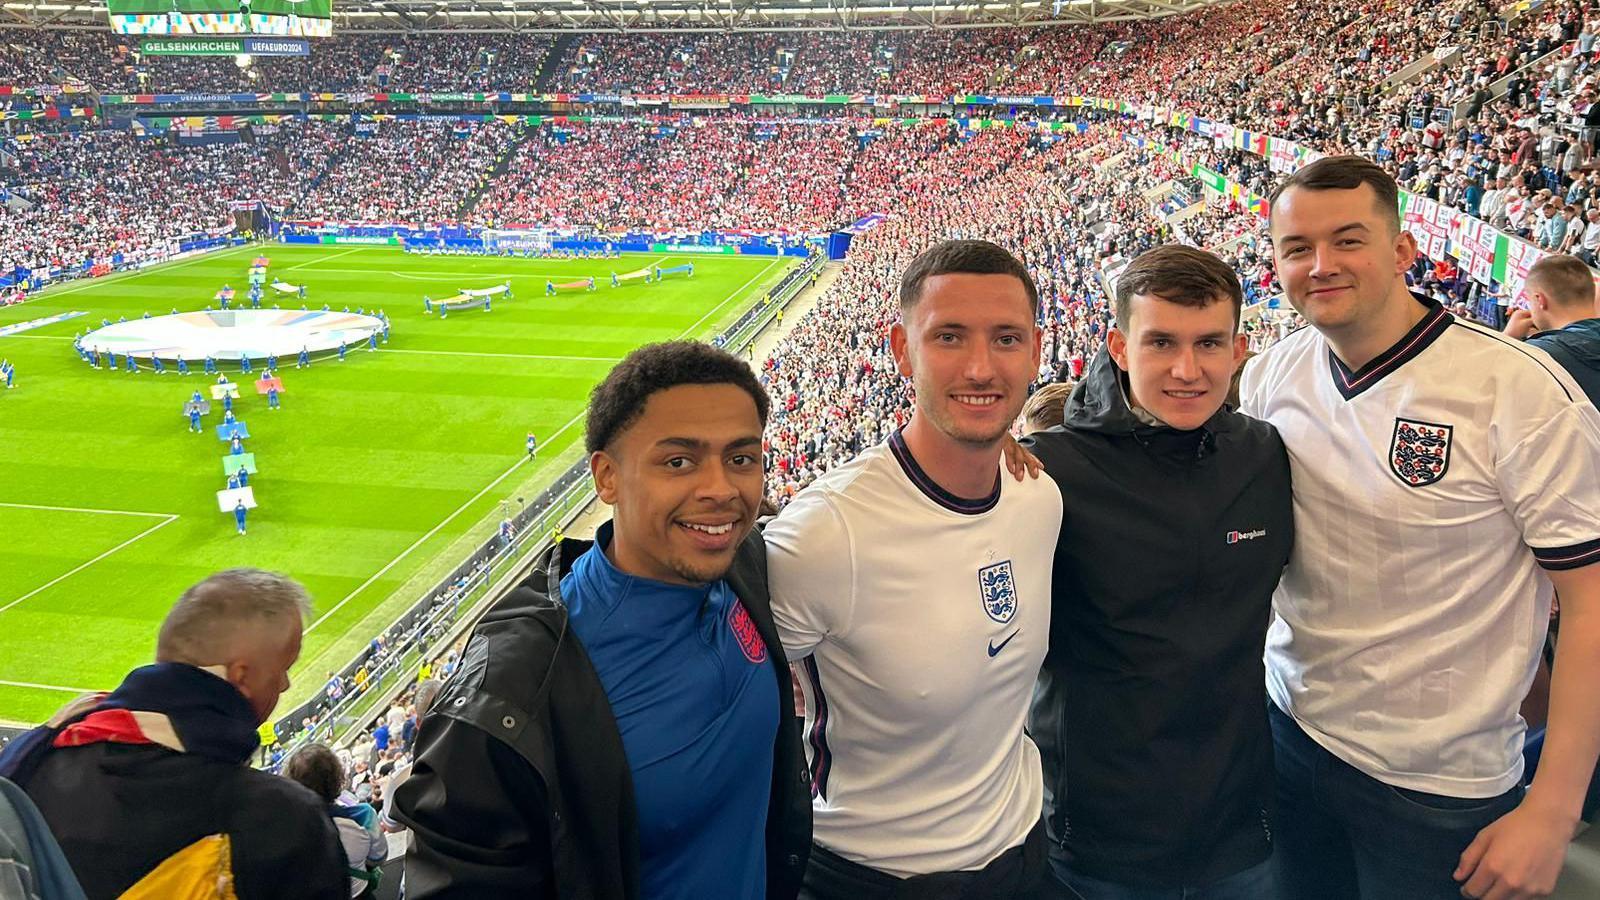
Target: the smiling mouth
pixel 1185 395
pixel 977 399
pixel 714 530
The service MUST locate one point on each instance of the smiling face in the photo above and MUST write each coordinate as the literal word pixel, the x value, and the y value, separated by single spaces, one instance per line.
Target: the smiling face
pixel 1339 255
pixel 1180 359
pixel 685 479
pixel 970 347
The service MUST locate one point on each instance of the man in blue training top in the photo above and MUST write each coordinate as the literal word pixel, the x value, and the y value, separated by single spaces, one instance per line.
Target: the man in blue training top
pixel 244 363
pixel 235 446
pixel 233 479
pixel 160 367
pixel 272 396
pixel 304 362
pixel 238 515
pixel 183 367
pixel 342 348
pixel 194 419
pixel 133 364
pixel 211 365
pixel 651 750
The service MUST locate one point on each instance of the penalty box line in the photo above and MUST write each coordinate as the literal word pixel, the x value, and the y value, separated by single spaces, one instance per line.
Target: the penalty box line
pixel 166 519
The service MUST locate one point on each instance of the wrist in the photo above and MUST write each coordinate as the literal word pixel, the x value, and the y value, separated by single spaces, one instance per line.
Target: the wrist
pixel 1550 804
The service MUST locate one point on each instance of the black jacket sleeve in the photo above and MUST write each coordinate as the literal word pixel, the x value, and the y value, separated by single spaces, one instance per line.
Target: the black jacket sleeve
pixel 479 818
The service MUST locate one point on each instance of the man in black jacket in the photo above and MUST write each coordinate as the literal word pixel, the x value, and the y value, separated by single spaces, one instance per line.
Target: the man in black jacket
pixel 1151 715
pixel 154 777
pixel 621 725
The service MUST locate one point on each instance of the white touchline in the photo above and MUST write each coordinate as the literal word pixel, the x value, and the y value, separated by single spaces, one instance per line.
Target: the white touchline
pixel 57 580
pixel 741 289
pixel 611 359
pixel 48 687
pixel 124 276
pixel 504 475
pixel 88 509
pixel 435 529
pixel 323 259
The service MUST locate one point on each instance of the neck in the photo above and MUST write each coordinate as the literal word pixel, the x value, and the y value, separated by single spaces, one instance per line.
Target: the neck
pixel 966 470
pixel 1561 318
pixel 1361 342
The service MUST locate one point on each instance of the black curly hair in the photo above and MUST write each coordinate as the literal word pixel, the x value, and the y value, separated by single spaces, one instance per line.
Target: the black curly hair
pixel 619 400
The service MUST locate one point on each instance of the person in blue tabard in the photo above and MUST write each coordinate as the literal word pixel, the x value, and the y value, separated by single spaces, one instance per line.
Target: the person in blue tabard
pixel 244 363
pixel 183 367
pixel 160 367
pixel 227 401
pixel 133 364
pixel 342 348
pixel 651 750
pixel 372 342
pixel 228 417
pixel 427 304
pixel 304 362
pixel 272 362
pixel 239 513
pixel 211 364
pixel 272 396
pixel 233 479
pixel 194 419
pixel 244 477
pixel 236 446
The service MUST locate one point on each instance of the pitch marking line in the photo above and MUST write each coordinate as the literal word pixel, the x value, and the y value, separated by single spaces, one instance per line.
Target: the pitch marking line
pixel 610 359
pixel 87 509
pixel 507 473
pixel 168 520
pixel 86 283
pixel 323 259
pixel 48 687
pixel 435 529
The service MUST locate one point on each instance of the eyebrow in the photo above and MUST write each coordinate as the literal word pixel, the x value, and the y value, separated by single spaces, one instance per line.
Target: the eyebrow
pixel 699 445
pixel 1208 336
pixel 1353 226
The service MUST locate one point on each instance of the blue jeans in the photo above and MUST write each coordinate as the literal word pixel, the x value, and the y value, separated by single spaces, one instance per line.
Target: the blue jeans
pixel 1259 882
pixel 1341 834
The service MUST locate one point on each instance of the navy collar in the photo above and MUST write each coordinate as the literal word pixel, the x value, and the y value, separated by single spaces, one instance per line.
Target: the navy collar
pixel 1419 338
pixel 931 488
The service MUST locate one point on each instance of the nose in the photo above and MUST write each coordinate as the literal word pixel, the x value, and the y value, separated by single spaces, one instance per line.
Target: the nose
pixel 1323 265
pixel 1186 367
pixel 980 365
pixel 716 486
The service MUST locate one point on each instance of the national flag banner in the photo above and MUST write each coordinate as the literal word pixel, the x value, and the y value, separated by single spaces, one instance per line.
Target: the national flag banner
pixel 224 389
pixel 266 384
pixel 227 500
pixel 234 462
pixel 232 430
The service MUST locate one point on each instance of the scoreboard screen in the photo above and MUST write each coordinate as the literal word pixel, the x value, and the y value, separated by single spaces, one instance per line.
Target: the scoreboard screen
pixel 285 18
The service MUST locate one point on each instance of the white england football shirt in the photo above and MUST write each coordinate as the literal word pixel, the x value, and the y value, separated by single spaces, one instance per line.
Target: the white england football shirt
pixel 1429 489
pixel 920 621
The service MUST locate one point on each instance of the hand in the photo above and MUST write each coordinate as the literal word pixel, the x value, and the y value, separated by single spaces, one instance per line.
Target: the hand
pixel 1520 325
pixel 1018 459
pixel 1518 856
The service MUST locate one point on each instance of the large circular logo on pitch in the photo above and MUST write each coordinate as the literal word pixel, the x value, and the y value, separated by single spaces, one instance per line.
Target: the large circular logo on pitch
pixel 234 333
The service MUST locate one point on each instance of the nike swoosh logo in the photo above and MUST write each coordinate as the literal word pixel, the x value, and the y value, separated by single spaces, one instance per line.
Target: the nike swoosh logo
pixel 995 651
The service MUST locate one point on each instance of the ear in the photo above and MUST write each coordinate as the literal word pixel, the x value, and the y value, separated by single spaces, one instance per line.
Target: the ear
pixel 1038 349
pixel 1117 346
pixel 1241 346
pixel 1405 250
pixel 900 346
pixel 603 468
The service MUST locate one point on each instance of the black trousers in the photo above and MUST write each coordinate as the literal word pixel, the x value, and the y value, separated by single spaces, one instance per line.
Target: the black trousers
pixel 1016 874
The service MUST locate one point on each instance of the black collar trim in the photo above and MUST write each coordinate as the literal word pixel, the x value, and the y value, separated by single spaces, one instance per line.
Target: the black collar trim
pixel 931 488
pixel 1419 338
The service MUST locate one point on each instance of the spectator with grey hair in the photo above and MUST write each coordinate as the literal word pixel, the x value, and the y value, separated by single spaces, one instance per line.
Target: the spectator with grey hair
pixel 155 774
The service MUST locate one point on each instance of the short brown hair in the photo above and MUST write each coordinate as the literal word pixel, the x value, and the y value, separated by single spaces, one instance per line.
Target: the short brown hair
pixel 1344 173
pixel 619 400
pixel 1565 279
pixel 964 258
pixel 315 766
pixel 1179 274
pixel 1047 408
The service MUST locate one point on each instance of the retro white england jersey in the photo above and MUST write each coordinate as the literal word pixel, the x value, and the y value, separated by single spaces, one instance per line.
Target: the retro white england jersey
pixel 920 621
pixel 1429 489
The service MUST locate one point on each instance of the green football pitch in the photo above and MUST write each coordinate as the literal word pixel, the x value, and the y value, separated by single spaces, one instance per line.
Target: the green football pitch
pixel 376 477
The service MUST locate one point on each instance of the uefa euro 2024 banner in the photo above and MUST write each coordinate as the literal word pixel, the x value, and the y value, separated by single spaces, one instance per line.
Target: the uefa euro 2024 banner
pixel 286 18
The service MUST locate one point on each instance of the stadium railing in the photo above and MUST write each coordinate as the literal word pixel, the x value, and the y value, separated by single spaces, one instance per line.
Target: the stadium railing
pixel 454 604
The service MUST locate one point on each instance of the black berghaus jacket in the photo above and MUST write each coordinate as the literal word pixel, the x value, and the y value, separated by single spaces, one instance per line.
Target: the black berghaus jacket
pixel 521 787
pixel 1150 714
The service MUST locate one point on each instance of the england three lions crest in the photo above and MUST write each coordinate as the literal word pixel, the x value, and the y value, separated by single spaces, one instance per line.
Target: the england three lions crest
pixel 1420 451
pixel 999 591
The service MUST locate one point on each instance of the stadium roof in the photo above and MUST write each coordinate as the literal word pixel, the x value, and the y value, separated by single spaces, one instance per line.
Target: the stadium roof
pixel 642 15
